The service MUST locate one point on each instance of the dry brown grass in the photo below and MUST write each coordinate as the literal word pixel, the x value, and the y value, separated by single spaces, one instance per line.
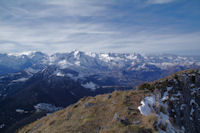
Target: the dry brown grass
pixel 98 117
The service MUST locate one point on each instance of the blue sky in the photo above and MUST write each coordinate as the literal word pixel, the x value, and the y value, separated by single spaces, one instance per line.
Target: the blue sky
pixel 144 26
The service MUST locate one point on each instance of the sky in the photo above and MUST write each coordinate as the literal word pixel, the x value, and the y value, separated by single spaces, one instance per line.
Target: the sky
pixel 143 26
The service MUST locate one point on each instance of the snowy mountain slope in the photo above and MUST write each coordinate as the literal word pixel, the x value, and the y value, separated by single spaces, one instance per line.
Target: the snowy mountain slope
pixel 95 62
pixel 14 82
pixel 10 63
pixel 120 66
pixel 101 69
pixel 82 62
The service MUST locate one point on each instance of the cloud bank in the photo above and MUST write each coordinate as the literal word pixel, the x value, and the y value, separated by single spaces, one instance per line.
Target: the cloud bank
pixel 159 1
pixel 108 26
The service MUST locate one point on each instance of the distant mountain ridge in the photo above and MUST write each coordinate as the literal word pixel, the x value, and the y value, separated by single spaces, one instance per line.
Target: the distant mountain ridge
pixel 87 63
pixel 91 70
pixel 10 63
pixel 98 61
pixel 118 67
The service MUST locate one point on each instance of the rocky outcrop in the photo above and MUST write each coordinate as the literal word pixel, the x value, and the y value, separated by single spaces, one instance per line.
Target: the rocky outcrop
pixel 178 97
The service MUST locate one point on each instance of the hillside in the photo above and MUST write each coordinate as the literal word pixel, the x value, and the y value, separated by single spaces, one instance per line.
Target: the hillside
pixel 166 105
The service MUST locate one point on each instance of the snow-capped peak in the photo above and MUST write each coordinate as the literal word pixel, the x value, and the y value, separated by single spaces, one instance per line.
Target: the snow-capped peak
pixel 27 53
pixel 76 53
pixel 88 62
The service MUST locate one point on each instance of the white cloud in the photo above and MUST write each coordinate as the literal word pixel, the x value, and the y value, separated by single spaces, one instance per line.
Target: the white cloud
pixel 159 1
pixel 93 37
pixel 64 25
pixel 77 8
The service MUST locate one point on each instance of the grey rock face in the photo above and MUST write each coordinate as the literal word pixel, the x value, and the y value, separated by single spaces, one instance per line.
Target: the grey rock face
pixel 184 100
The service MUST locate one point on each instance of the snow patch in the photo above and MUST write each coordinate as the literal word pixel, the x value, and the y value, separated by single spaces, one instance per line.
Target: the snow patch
pixel 192 102
pixel 148 108
pixel 192 111
pixel 20 80
pixel 46 107
pixel 31 71
pixel 75 78
pixel 27 53
pixel 78 63
pixel 91 54
pixel 147 105
pixel 59 74
pixel 166 94
pixel 21 111
pixel 169 88
pixel 193 91
pixel 64 64
pixel 76 54
pixel 182 106
pixel 2 125
pixel 90 85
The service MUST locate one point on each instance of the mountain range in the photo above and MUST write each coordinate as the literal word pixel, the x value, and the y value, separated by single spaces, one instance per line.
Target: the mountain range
pixel 97 65
pixel 33 81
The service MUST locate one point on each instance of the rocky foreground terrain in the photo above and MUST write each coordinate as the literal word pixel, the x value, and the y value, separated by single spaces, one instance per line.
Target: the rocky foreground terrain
pixel 167 105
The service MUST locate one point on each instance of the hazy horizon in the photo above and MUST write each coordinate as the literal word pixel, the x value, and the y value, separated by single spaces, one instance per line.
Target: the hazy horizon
pixel 143 54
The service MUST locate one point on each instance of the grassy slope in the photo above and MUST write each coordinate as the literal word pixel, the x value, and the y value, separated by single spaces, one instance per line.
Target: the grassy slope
pixel 98 117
